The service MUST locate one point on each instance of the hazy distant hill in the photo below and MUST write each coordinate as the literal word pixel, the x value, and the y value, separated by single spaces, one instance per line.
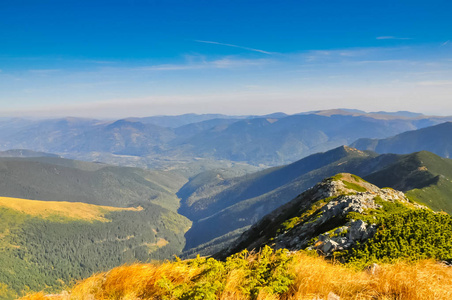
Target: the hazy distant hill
pixel 277 141
pixel 42 135
pixel 181 120
pixel 120 137
pixel 436 139
pixel 25 153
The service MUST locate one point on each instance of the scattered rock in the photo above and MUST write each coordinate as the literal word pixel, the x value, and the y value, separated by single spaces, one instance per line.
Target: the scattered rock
pixel 333 296
pixel 329 246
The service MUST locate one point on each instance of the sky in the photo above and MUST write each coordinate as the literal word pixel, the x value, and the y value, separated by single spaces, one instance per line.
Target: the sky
pixel 113 59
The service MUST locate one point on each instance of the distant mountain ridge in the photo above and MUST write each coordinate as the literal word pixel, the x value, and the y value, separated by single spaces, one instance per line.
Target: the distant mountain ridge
pixel 268 140
pixel 436 139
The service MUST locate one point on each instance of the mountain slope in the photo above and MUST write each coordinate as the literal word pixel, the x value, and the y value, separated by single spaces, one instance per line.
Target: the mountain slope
pixel 224 206
pixel 62 220
pixel 355 221
pixel 60 179
pixel 48 244
pixel 436 139
pixel 424 176
pixel 222 209
pixel 343 217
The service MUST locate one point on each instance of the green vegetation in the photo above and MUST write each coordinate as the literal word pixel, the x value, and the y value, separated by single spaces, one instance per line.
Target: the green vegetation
pixel 354 186
pixel 267 270
pixel 412 235
pixel 436 196
pixel 305 215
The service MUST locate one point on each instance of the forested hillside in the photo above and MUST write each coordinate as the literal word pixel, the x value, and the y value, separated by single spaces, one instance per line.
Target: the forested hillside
pixel 50 245
pixel 62 234
pixel 57 179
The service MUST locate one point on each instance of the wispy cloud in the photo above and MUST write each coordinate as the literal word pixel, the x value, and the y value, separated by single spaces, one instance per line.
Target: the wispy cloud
pixel 170 67
pixel 236 46
pixel 445 43
pixel 390 37
pixel 223 63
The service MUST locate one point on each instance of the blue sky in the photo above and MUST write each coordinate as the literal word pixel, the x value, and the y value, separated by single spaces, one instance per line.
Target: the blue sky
pixel 138 58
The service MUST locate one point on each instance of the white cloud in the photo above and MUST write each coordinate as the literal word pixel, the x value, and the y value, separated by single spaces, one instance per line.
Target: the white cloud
pixel 445 43
pixel 236 46
pixel 390 37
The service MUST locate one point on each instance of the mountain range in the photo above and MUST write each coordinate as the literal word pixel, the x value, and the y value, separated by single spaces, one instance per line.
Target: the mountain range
pixel 268 140
pixel 436 139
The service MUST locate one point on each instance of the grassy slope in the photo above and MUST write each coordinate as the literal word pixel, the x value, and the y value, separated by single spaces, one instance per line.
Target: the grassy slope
pixel 424 176
pixel 265 276
pixel 63 210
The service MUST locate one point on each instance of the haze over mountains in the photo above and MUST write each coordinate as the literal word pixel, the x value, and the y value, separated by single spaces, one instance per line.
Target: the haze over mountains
pixel 436 139
pixel 161 141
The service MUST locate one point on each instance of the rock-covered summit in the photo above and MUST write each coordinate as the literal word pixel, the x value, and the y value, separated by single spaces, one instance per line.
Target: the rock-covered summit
pixel 333 215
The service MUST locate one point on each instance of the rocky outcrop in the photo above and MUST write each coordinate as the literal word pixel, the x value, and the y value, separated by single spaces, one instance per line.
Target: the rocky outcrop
pixel 319 219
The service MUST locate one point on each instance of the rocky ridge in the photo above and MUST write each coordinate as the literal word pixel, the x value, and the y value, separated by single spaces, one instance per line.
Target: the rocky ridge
pixel 325 218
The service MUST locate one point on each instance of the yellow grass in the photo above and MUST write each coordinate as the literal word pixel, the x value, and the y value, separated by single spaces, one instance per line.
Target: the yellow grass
pixel 314 279
pixel 71 210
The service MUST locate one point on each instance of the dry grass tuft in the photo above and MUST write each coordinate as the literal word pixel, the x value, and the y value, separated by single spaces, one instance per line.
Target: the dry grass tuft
pixel 314 278
pixel 403 280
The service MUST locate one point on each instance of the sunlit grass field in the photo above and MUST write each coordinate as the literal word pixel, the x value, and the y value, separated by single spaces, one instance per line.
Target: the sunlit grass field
pixel 69 210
